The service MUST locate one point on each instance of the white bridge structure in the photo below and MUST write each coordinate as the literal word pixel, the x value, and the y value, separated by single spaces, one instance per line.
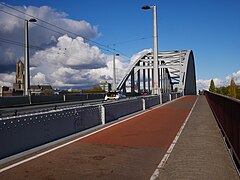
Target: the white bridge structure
pixel 176 73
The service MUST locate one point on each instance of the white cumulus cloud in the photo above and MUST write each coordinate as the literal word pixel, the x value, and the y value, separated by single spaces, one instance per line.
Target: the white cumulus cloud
pixel 41 34
pixel 204 84
pixel 7 79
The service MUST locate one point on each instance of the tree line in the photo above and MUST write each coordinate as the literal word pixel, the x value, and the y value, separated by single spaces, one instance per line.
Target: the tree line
pixel 232 90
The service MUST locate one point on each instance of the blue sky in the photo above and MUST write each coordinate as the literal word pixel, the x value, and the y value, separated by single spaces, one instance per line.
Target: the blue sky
pixel 209 27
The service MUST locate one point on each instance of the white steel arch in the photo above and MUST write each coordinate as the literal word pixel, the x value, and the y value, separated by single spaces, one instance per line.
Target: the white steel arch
pixel 176 73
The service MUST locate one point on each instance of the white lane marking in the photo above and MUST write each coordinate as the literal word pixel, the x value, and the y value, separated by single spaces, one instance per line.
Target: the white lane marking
pixel 70 142
pixel 169 151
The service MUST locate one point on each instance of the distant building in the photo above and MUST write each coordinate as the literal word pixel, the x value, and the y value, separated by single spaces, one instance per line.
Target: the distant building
pixel 18 86
pixel 105 85
pixel 19 83
pixel 41 90
pixel 58 91
pixel 5 91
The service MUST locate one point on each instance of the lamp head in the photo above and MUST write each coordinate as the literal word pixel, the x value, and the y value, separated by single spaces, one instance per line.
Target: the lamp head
pixel 32 20
pixel 146 7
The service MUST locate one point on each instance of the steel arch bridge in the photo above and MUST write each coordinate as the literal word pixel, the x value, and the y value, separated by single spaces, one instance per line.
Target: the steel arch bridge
pixel 176 73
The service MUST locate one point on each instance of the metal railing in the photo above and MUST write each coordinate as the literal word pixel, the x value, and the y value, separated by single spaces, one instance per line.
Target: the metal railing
pixel 227 113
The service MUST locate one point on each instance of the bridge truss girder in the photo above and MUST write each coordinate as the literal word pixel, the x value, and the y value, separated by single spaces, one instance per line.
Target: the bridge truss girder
pixel 176 72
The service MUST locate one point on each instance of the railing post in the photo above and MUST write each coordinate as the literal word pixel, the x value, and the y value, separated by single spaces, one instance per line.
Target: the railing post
pixel 30 99
pixel 102 109
pixel 160 96
pixel 144 104
pixel 64 98
pixel 170 97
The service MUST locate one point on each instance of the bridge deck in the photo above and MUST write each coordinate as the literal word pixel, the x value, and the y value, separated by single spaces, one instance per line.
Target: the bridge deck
pixel 134 148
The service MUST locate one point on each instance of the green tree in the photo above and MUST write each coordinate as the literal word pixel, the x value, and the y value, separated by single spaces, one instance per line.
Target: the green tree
pixel 233 89
pixel 47 92
pixel 95 89
pixel 212 87
pixel 238 92
pixel 223 90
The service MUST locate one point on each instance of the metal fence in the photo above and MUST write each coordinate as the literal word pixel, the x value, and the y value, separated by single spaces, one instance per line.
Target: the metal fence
pixel 227 113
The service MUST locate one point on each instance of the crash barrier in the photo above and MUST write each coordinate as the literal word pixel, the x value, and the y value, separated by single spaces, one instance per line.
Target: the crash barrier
pixel 170 96
pixel 227 114
pixel 114 111
pixel 45 99
pixel 165 97
pixel 151 101
pixel 174 95
pixel 14 101
pixel 27 100
pixel 20 133
pixel 82 97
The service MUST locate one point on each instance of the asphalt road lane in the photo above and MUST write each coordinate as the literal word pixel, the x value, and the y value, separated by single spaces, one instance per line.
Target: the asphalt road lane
pixel 129 150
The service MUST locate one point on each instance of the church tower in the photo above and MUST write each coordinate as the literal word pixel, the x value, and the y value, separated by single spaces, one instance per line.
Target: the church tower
pixel 19 84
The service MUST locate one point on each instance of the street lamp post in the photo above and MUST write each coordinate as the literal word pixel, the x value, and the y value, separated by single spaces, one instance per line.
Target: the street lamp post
pixel 155 89
pixel 26 57
pixel 114 72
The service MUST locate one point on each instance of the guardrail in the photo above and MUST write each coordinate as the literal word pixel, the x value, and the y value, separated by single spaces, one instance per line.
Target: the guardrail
pixel 20 133
pixel 16 101
pixel 227 113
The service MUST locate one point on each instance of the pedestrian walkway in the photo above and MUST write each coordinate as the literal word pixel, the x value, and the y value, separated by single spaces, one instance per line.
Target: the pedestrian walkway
pixel 200 152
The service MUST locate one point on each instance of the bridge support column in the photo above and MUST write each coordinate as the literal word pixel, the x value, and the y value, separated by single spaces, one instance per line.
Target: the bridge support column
pixel 144 78
pixel 149 80
pixel 132 81
pixel 138 81
pixel 124 88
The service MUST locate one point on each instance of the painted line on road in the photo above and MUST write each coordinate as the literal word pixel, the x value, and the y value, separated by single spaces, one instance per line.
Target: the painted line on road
pixel 75 140
pixel 171 147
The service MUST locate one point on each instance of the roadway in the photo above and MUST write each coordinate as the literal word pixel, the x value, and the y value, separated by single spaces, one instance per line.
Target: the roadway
pixel 129 149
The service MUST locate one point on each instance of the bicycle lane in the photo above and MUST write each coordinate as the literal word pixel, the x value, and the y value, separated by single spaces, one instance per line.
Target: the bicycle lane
pixel 131 149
